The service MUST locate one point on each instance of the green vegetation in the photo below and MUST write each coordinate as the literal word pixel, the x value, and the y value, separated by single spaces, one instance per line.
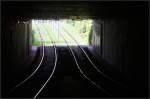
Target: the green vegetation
pixel 51 32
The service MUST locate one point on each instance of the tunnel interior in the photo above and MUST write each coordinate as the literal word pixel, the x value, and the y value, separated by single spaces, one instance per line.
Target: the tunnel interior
pixel 116 34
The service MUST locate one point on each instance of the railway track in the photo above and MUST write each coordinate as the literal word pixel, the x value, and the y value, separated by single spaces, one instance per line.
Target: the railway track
pixel 81 68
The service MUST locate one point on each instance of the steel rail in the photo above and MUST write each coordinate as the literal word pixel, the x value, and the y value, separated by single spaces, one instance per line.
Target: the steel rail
pixel 53 68
pixel 72 53
pixel 91 60
pixel 35 69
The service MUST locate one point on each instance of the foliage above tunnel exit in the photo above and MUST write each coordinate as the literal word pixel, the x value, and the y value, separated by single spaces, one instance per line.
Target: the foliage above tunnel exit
pixel 72 31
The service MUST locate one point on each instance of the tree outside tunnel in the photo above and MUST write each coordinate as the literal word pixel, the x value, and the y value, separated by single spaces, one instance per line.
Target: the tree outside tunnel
pixel 51 30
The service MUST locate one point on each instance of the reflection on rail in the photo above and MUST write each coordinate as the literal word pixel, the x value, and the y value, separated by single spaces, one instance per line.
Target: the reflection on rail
pixel 54 45
pixel 98 86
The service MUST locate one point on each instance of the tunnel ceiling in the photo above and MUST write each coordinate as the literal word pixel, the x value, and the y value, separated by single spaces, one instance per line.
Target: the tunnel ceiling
pixel 67 9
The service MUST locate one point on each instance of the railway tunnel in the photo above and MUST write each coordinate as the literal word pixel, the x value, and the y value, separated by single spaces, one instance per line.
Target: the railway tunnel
pixel 112 60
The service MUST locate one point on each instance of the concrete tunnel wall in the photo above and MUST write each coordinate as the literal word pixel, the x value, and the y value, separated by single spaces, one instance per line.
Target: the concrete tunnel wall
pixel 96 40
pixel 16 41
pixel 124 42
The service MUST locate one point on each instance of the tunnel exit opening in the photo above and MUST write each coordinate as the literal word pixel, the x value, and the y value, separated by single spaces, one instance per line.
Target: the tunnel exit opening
pixel 61 32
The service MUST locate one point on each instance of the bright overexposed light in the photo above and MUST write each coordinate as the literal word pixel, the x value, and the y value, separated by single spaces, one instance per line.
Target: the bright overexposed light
pixel 61 32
